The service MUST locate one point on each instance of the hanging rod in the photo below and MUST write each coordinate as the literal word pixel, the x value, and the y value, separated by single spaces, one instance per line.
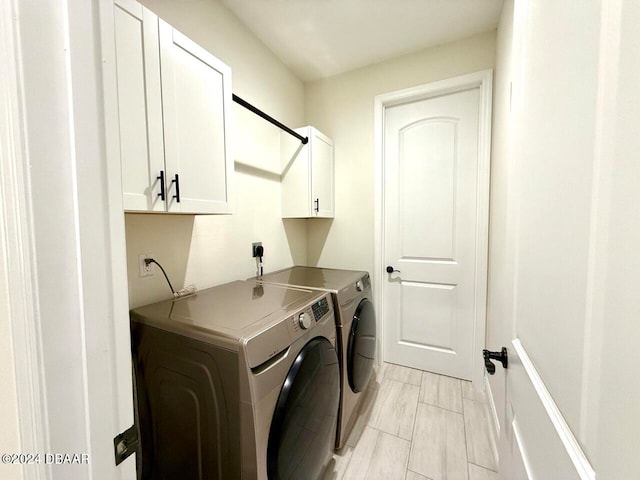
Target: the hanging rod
pixel 269 118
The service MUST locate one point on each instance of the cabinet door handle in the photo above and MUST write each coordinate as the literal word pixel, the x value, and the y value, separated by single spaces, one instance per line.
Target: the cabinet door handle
pixel 161 178
pixel 176 180
pixel 317 202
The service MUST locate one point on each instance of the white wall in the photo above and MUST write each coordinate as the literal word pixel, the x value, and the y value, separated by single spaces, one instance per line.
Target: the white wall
pixel 210 250
pixel 342 107
pixel 500 280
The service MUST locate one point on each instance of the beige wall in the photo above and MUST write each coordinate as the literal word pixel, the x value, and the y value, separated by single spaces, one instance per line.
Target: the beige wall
pixel 10 436
pixel 342 108
pixel 213 249
pixel 209 250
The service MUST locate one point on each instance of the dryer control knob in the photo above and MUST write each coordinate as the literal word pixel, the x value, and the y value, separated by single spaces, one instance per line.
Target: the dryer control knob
pixel 304 321
pixel 359 286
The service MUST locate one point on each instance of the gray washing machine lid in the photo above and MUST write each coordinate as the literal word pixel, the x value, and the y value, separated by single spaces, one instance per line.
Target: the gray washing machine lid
pixel 328 279
pixel 234 310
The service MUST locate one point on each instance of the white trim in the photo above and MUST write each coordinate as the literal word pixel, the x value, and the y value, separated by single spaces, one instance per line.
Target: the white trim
pixel 74 219
pixel 571 445
pixel 493 419
pixel 484 81
pixel 120 338
pixel 17 243
pixel 520 444
pixel 378 233
pixel 493 411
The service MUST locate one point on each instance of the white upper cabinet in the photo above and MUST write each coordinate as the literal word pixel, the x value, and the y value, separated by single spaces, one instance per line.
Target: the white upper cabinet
pixel 307 175
pixel 174 102
pixel 196 101
pixel 139 105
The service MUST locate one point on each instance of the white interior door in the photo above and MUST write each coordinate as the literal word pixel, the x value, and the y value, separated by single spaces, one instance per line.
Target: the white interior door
pixel 433 226
pixel 571 402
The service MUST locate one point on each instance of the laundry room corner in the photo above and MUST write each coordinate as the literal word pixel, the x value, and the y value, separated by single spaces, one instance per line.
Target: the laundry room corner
pixel 323 240
pixel 208 250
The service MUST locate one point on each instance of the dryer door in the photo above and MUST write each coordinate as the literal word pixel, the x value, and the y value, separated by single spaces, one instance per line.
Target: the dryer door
pixel 362 346
pixel 303 428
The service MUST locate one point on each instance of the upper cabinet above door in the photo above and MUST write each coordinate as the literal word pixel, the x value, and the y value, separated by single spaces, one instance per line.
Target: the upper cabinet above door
pixel 307 176
pixel 174 102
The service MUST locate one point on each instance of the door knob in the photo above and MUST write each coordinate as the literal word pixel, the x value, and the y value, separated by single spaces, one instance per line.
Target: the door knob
pixel 390 269
pixel 501 356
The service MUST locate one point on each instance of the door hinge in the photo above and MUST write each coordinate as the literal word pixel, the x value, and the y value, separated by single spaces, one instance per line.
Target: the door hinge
pixel 125 443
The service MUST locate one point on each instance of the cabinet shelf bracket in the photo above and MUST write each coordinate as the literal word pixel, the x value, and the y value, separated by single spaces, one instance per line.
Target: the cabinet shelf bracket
pixel 269 118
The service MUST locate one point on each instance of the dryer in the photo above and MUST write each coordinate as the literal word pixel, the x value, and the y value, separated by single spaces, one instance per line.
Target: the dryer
pixel 355 329
pixel 238 381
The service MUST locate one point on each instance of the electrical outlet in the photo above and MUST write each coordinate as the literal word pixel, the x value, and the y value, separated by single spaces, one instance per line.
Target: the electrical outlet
pixel 253 248
pixel 144 270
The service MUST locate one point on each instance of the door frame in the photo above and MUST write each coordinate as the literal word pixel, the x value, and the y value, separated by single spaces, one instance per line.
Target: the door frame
pixel 17 260
pixel 90 378
pixel 484 81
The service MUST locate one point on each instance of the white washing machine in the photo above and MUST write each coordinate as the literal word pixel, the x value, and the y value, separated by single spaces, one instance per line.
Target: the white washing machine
pixel 239 381
pixel 355 328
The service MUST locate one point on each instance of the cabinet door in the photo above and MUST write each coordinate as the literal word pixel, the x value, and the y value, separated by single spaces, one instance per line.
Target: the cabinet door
pixel 196 95
pixel 139 105
pixel 322 174
pixel 296 176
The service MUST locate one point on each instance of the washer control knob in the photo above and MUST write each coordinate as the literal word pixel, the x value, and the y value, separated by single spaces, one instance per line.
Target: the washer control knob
pixel 304 321
pixel 359 285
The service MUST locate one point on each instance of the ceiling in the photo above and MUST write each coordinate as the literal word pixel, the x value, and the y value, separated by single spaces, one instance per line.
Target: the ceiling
pixel 321 38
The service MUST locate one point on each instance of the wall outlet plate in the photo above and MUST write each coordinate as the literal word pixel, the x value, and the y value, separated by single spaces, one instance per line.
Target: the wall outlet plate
pixel 144 270
pixel 253 248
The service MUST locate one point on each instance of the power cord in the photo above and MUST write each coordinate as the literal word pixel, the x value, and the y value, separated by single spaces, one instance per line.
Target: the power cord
pixel 147 261
pixel 259 255
pixel 183 292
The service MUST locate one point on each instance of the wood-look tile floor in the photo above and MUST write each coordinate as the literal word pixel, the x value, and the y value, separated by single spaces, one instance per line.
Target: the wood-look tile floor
pixel 417 425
